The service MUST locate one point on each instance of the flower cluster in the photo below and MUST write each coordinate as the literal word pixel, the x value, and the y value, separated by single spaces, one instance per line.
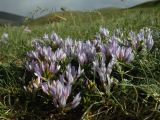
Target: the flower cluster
pixel 60 93
pixel 142 40
pixel 58 66
pixel 43 62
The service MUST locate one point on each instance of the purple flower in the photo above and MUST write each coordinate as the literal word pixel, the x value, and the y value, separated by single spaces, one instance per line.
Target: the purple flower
pixel 96 42
pixel 113 45
pixel 103 49
pixel 45 88
pixel 41 53
pixel 37 70
pixel 82 58
pixel 60 54
pixel 141 35
pixel 76 101
pixel 33 54
pixel 142 40
pixel 104 31
pixel 85 52
pixel 104 72
pixel 100 68
pixel 106 51
pixel 69 47
pixel 43 68
pixel 46 51
pixel 110 65
pixel 80 71
pixel 54 67
pixel 149 41
pixel 56 39
pixel 124 54
pixel 70 74
pixel 60 93
pixel 133 38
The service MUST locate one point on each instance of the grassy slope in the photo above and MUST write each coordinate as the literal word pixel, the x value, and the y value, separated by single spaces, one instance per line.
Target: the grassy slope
pixel 154 3
pixel 79 25
pixel 8 18
pixel 98 14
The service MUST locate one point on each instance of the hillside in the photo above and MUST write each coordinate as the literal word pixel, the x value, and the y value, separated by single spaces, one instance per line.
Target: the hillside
pixel 71 16
pixel 8 18
pixel 154 3
pixel 103 13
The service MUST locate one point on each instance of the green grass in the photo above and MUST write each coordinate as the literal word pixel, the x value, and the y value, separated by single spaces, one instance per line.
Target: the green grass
pixel 16 103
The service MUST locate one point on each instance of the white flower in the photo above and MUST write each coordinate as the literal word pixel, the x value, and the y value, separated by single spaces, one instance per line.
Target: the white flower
pixel 4 37
pixel 104 31
pixel 27 30
pixel 46 37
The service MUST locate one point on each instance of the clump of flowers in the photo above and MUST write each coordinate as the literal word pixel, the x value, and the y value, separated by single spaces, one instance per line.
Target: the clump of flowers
pixel 59 65
pixel 141 40
pixel 60 89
